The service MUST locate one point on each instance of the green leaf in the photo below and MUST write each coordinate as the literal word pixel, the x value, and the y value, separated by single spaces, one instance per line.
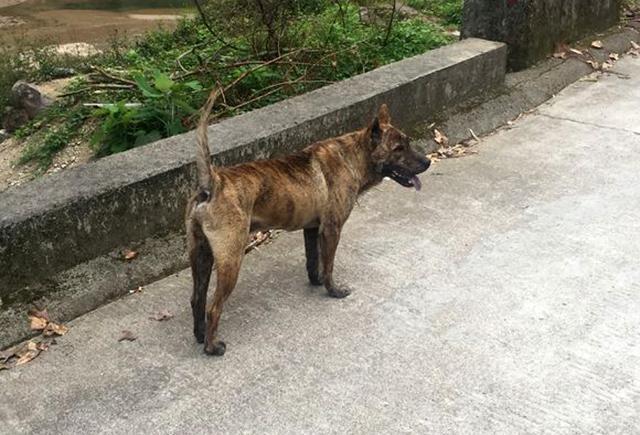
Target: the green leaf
pixel 195 85
pixel 143 138
pixel 162 82
pixel 185 107
pixel 145 87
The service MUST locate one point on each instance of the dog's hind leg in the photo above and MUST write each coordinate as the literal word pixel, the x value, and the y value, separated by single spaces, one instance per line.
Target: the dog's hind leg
pixel 201 258
pixel 229 250
pixel 329 239
pixel 312 251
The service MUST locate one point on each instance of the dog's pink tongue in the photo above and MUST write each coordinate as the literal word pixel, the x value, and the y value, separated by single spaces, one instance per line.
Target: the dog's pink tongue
pixel 417 184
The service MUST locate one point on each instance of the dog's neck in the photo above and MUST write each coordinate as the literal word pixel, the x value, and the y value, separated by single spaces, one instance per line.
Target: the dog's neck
pixel 358 156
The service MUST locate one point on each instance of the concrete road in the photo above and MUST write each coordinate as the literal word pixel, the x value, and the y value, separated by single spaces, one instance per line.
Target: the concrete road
pixel 503 298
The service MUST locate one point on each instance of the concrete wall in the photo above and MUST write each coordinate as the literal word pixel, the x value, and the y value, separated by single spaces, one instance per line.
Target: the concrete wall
pixel 531 28
pixel 54 223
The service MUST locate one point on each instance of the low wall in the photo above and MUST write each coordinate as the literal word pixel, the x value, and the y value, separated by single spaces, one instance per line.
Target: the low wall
pixel 532 28
pixel 55 223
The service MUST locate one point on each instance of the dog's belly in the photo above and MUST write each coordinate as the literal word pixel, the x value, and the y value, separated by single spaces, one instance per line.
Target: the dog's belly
pixel 288 212
pixel 283 222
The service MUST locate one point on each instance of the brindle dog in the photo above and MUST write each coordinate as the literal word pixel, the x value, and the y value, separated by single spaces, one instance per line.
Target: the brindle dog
pixel 314 190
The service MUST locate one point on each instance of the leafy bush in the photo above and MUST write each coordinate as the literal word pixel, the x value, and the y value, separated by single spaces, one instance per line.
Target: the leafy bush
pixel 55 139
pixel 164 110
pixel 449 11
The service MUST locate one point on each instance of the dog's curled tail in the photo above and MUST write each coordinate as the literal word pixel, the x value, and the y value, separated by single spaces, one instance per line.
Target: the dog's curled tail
pixel 203 156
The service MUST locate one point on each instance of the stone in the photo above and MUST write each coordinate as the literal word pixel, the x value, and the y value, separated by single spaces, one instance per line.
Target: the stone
pixel 28 97
pixel 532 28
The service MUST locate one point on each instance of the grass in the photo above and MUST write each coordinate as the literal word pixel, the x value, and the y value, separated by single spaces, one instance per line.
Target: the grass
pixel 153 87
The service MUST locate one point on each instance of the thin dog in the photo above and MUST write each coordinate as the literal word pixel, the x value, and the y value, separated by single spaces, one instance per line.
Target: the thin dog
pixel 314 190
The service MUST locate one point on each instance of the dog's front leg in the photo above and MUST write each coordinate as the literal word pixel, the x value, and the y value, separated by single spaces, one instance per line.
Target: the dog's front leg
pixel 329 239
pixel 312 251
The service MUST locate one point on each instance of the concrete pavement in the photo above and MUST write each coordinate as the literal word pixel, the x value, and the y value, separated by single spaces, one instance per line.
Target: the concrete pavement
pixel 503 298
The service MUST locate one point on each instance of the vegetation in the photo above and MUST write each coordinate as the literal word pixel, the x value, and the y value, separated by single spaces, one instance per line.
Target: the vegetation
pixel 257 51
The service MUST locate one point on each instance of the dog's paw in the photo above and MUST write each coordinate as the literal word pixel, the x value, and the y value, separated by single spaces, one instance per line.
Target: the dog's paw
pixel 217 348
pixel 339 292
pixel 315 279
pixel 199 335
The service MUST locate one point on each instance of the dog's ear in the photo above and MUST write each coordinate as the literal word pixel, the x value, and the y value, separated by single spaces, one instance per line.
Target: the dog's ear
pixel 383 115
pixel 376 132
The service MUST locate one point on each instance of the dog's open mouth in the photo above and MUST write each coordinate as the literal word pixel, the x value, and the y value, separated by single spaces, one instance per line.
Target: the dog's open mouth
pixel 406 180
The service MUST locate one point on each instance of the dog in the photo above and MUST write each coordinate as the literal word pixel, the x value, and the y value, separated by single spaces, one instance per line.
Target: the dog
pixel 313 190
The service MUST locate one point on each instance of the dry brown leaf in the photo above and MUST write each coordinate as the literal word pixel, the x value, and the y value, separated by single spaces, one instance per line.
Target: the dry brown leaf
pixel 27 353
pixel 635 45
pixel 440 138
pixel 127 336
pixel 560 51
pixel 614 56
pixel 606 65
pixel 54 329
pixel 162 315
pixel 37 323
pixel 594 64
pixel 597 44
pixel 43 314
pixel 576 51
pixel 129 255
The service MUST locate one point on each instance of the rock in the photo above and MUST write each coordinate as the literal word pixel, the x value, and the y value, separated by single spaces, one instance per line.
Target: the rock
pixel 10 21
pixel 13 118
pixel 28 97
pixel 59 73
pixel 79 49
pixel 380 14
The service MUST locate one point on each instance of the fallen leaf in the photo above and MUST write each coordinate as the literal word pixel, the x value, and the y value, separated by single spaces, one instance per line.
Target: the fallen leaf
pixel 561 51
pixel 614 56
pixel 43 346
pixel 129 255
pixel 440 138
pixel 54 329
pixel 37 323
pixel 576 51
pixel 43 314
pixel 127 336
pixel 606 65
pixel 635 45
pixel 162 315
pixel 597 44
pixel 27 353
pixel 594 64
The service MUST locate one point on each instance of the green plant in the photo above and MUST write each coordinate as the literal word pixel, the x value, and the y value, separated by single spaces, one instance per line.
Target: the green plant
pixel 165 110
pixel 449 11
pixel 42 151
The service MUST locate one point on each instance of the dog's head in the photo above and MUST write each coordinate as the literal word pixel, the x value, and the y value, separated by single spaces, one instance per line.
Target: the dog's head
pixel 392 153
